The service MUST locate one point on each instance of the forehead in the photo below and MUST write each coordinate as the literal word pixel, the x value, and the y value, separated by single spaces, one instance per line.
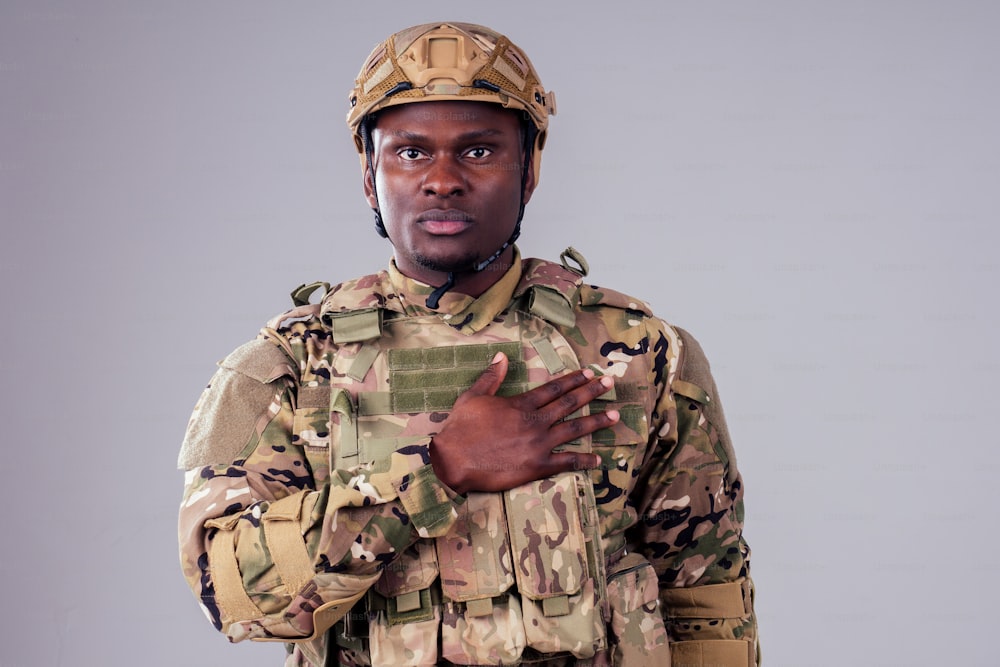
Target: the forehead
pixel 448 118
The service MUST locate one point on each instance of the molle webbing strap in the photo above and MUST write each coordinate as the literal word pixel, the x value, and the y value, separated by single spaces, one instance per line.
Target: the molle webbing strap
pixel 712 601
pixel 363 361
pixel 551 306
pixel 692 391
pixel 230 593
pixel 286 544
pixel 547 353
pixel 712 652
pixel 355 326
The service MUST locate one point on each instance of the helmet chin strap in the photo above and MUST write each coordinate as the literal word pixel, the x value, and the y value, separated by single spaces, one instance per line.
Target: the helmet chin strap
pixel 434 298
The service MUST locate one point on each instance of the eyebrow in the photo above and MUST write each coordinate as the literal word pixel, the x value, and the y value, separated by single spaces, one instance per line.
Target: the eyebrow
pixel 465 137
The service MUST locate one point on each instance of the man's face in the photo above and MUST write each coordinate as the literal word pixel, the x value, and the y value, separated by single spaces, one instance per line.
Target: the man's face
pixel 448 178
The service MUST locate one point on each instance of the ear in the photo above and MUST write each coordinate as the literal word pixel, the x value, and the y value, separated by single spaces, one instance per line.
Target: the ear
pixel 529 182
pixel 369 185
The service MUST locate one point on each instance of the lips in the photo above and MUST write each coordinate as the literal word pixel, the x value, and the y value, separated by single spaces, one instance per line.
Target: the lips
pixel 444 222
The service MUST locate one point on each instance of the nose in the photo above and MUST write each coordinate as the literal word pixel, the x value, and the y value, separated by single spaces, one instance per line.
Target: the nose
pixel 444 178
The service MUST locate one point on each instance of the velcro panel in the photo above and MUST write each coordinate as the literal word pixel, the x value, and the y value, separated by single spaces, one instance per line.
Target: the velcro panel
pixel 712 652
pixel 712 601
pixel 429 379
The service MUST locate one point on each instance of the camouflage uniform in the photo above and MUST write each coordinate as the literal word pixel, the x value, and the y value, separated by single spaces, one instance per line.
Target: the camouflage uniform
pixel 312 514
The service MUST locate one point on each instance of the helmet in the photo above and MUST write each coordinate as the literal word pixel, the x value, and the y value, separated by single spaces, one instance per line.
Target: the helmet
pixel 434 62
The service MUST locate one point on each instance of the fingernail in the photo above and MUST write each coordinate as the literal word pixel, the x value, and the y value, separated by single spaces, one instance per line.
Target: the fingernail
pixel 497 358
pixel 607 381
pixel 613 415
pixel 587 373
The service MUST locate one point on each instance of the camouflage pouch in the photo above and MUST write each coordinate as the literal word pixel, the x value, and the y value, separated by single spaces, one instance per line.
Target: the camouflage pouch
pixel 640 638
pixel 479 626
pixel 556 565
pixel 311 429
pixel 405 579
pixel 407 644
pixel 406 613
pixel 496 638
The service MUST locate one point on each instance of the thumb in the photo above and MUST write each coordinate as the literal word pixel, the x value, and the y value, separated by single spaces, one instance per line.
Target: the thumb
pixel 489 382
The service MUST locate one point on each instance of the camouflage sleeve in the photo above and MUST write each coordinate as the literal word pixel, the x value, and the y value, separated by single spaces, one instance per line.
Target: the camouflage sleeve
pixel 268 553
pixel 690 500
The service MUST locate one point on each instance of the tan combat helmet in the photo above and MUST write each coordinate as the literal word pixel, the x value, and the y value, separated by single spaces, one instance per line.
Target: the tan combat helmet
pixel 434 62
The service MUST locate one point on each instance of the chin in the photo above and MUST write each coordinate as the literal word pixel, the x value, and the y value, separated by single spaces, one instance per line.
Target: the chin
pixel 448 264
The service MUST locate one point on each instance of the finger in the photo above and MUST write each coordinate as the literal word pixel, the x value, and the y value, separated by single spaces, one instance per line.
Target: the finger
pixel 568 403
pixel 574 429
pixel 570 461
pixel 489 382
pixel 553 389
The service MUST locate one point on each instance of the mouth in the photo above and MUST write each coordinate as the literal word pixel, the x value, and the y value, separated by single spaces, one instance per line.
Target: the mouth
pixel 444 222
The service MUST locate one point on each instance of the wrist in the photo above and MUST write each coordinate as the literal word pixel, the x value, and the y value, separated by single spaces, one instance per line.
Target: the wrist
pixel 442 469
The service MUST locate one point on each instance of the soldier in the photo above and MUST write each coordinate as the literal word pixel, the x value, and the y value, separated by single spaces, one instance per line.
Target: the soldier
pixel 468 458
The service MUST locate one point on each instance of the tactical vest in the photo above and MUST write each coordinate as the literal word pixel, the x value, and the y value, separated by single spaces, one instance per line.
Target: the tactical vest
pixel 522 568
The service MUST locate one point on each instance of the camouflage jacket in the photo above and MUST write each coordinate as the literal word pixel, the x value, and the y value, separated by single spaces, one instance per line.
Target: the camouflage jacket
pixel 284 528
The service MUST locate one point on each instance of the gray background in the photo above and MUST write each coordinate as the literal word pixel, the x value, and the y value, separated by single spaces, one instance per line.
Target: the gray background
pixel 810 187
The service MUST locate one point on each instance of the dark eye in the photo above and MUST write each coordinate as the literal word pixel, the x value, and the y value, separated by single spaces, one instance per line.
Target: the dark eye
pixel 479 153
pixel 410 154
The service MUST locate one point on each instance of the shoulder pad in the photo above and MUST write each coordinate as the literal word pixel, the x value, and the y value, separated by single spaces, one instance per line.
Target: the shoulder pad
pixel 694 381
pixel 260 360
pixel 592 295
pixel 226 415
pixel 693 369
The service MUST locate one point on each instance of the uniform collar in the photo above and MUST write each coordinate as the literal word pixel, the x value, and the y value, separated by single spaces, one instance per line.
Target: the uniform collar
pixel 466 313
